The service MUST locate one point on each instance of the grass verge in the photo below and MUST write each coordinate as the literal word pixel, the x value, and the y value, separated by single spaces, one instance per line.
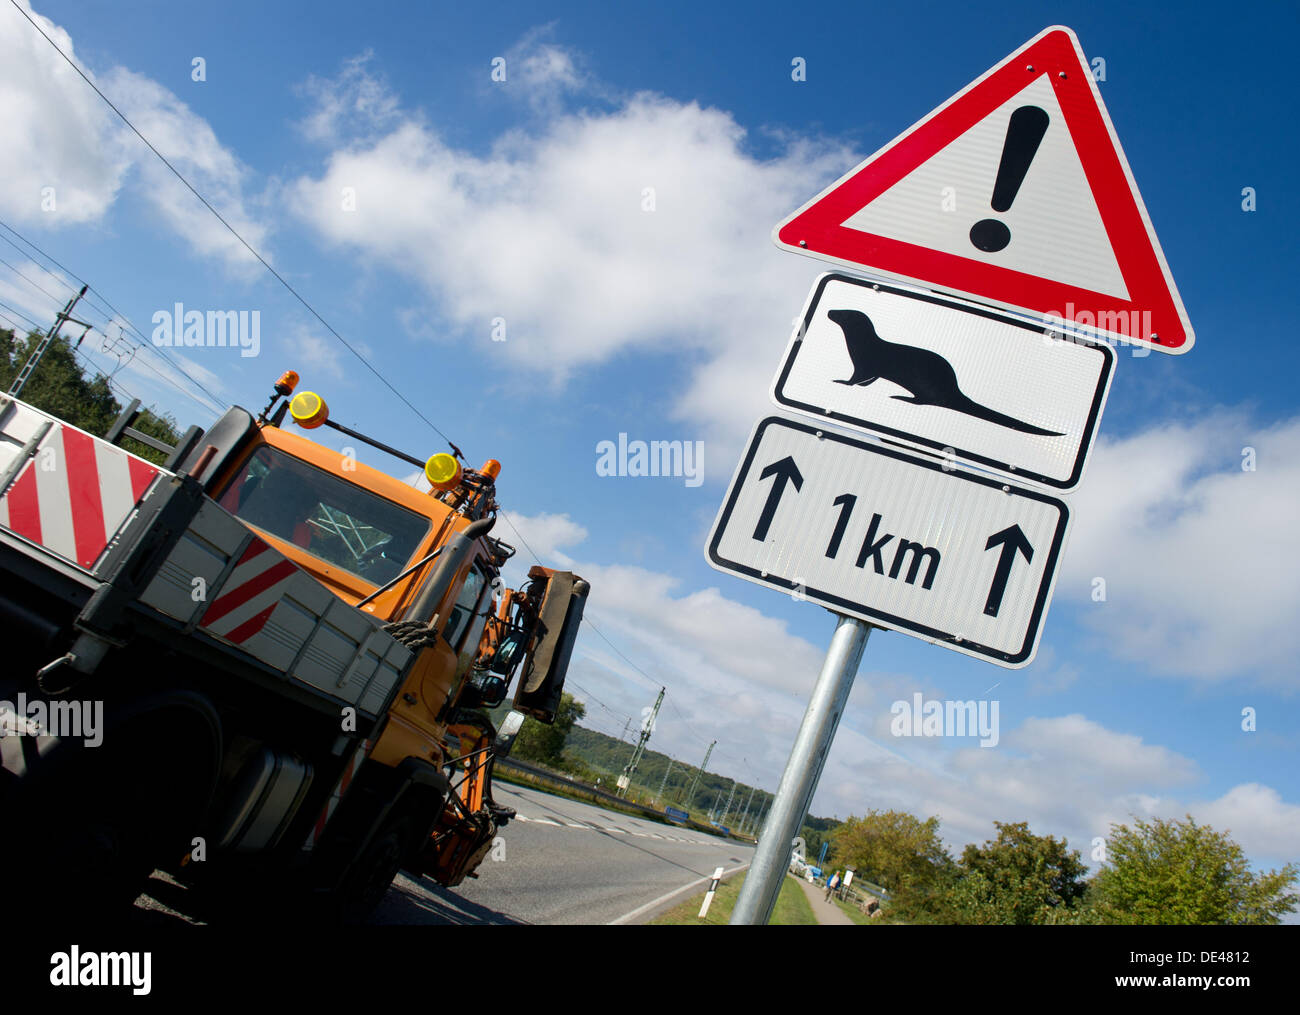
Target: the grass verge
pixel 792 908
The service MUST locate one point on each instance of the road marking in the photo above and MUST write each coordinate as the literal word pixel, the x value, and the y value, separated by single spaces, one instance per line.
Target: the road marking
pixel 588 826
pixel 640 910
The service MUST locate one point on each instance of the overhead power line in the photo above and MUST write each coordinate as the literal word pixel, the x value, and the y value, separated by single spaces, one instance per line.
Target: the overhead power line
pixel 283 282
pixel 232 230
pixel 110 315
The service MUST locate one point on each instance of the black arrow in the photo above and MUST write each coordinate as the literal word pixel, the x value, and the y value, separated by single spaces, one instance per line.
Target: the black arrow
pixel 783 470
pixel 1011 539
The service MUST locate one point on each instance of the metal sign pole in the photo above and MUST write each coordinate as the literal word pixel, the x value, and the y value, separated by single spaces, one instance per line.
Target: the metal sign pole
pixel 798 783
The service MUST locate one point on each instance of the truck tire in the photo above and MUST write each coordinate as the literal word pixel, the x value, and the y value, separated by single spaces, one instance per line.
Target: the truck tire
pixel 371 875
pixel 97 821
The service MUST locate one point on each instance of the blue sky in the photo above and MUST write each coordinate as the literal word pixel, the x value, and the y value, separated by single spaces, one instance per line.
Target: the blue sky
pixel 524 200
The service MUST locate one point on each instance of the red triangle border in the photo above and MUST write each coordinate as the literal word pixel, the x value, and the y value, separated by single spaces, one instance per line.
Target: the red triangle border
pixel 815 229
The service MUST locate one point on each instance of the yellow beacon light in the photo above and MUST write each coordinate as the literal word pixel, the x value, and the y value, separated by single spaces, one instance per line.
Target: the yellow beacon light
pixel 308 410
pixel 442 471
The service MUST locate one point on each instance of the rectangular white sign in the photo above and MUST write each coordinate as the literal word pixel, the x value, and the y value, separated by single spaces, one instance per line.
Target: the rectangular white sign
pixel 963 380
pixel 957 559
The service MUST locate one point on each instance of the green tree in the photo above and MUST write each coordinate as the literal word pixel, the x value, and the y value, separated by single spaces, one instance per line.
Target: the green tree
pixel 1017 878
pixel 60 387
pixel 1179 872
pixel 545 744
pixel 816 831
pixel 894 849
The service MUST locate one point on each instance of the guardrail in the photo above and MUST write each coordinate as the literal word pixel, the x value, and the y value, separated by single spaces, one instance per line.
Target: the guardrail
pixel 581 788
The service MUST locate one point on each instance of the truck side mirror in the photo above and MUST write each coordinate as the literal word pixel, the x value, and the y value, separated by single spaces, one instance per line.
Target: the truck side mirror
pixel 510 727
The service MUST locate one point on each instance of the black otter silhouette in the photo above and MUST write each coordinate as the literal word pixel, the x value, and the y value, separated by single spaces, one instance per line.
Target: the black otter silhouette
pixel 927 375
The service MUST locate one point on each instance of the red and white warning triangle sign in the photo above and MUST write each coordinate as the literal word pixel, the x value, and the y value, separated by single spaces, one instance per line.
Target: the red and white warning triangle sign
pixel 1015 192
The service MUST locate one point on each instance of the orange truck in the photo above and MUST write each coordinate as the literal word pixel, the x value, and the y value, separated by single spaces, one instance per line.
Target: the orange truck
pixel 264 663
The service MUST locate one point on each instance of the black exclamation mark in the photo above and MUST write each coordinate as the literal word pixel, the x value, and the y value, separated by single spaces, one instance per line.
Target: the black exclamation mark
pixel 1024 134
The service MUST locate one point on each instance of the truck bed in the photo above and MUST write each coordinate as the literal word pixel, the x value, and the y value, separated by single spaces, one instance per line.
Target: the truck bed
pixel 93 525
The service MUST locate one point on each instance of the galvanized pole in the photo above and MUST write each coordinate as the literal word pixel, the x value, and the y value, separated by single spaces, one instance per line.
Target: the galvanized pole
pixel 664 782
pixel 727 809
pixel 65 314
pixel 798 783
pixel 690 793
pixel 745 813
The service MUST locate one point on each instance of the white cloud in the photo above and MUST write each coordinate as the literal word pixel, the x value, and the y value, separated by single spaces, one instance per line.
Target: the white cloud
pixel 551 231
pixel 190 144
pixel 543 73
pixel 1197 554
pixel 356 102
pixel 59 134
pixel 547 535
pixel 56 134
pixel 1258 818
pixel 301 343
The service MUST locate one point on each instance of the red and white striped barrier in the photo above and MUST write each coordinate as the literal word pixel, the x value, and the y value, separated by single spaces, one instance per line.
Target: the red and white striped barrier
pixel 250 594
pixel 74 494
pixel 358 756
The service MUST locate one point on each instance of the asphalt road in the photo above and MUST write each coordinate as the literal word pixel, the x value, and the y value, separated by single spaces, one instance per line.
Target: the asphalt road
pixel 558 862
pixel 565 862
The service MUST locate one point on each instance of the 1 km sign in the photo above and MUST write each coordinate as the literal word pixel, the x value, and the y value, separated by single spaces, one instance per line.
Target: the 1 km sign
pixel 957 559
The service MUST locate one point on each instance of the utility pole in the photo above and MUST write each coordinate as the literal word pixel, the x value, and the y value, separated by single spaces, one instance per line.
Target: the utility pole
pixel 64 315
pixel 664 782
pixel 690 793
pixel 745 813
pixel 730 793
pixel 626 779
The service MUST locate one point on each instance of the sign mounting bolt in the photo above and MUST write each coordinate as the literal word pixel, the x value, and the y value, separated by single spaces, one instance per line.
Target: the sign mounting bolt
pixel 1061 75
pixel 1029 67
pixel 803 243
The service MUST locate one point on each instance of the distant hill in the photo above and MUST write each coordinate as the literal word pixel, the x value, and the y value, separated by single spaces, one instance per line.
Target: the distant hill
pixel 593 755
pixel 605 757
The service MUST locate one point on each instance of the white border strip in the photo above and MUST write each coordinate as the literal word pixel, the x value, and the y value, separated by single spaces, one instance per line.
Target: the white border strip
pixel 642 910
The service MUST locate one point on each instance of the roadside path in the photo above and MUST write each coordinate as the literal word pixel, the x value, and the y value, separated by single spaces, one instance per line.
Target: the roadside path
pixel 826 912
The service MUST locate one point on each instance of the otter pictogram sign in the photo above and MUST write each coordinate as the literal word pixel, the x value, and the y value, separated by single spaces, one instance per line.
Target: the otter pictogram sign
pixel 963 381
pixel 1015 192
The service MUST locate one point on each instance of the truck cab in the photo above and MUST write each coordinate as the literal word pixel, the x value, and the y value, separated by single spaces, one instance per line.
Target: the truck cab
pixel 310 643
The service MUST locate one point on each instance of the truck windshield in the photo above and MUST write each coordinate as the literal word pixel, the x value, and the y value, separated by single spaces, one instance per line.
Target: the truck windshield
pixel 337 521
